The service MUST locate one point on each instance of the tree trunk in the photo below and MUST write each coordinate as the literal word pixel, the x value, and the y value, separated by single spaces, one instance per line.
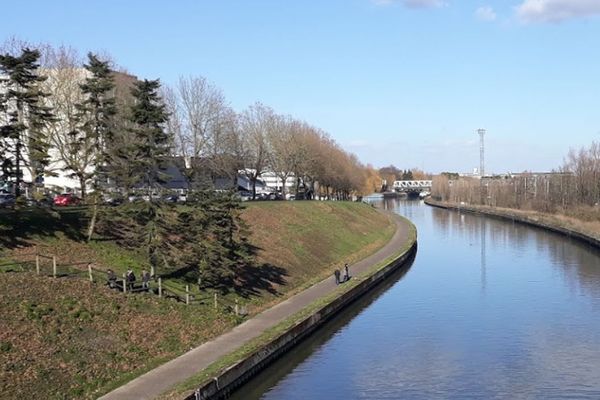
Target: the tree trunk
pixel 93 220
pixel 82 186
pixel 253 179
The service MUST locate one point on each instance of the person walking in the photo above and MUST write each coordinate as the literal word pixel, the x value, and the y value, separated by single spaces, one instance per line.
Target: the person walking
pixel 337 276
pixel 346 273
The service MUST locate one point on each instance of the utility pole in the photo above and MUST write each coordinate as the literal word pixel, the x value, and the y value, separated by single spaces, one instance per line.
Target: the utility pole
pixel 481 133
pixel 482 191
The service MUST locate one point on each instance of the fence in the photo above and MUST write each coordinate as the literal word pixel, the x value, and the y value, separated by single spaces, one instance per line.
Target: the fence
pixel 47 265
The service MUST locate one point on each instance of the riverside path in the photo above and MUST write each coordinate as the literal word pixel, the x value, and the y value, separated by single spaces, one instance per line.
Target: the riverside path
pixel 160 379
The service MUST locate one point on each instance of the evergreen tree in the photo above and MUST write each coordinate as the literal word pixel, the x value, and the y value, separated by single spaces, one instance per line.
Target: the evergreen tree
pixel 25 142
pixel 144 224
pixel 211 239
pixel 92 142
pixel 4 162
pixel 88 144
pixel 152 143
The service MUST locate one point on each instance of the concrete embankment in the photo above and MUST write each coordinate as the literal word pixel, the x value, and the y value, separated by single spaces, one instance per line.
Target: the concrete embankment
pixel 533 219
pixel 228 379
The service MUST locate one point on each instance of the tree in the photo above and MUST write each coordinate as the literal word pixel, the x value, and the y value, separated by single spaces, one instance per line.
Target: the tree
pixel 198 111
pixel 152 143
pixel 256 122
pixel 283 148
pixel 96 117
pixel 151 149
pixel 211 239
pixel 89 144
pixel 120 152
pixel 68 151
pixel 372 180
pixel 24 138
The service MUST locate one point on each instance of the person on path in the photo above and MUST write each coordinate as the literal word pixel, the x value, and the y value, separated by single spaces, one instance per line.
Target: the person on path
pixel 145 279
pixel 337 276
pixel 346 273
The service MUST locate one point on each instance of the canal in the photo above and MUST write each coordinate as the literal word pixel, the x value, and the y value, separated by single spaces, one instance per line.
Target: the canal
pixel 489 309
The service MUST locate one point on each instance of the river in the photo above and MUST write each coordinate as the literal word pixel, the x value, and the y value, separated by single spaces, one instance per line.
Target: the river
pixel 489 309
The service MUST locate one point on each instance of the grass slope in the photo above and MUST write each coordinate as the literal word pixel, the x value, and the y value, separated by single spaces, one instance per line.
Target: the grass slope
pixel 311 239
pixel 68 338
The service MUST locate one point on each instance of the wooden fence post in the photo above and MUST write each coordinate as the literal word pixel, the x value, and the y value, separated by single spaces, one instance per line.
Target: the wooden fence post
pixel 124 284
pixel 37 264
pixel 54 266
pixel 90 272
pixel 237 307
pixel 216 304
pixel 159 287
pixel 187 294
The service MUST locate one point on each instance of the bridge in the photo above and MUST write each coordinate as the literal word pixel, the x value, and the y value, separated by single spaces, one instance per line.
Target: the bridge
pixel 412 186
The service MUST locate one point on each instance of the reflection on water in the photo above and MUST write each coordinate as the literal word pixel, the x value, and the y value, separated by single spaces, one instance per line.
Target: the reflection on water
pixel 282 367
pixel 490 309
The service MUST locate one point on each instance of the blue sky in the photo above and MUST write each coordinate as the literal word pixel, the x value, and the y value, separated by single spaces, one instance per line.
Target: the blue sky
pixel 406 82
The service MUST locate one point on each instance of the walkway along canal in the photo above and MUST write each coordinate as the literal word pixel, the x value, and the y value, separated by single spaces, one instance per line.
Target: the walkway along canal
pixel 490 309
pixel 324 300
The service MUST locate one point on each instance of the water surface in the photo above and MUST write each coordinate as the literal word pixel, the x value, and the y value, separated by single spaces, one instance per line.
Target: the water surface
pixel 489 309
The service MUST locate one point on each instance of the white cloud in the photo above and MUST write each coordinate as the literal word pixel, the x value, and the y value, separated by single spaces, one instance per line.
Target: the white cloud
pixel 556 10
pixel 411 3
pixel 422 3
pixel 485 13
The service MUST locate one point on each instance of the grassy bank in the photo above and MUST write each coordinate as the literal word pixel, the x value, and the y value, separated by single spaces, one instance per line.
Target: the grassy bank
pixel 187 387
pixel 68 338
pixel 579 224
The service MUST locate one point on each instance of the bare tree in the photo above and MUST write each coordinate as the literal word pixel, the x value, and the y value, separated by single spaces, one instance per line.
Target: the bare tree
pixel 256 122
pixel 200 109
pixel 70 152
pixel 284 154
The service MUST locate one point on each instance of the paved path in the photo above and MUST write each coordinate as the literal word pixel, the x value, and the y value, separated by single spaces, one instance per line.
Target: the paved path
pixel 158 380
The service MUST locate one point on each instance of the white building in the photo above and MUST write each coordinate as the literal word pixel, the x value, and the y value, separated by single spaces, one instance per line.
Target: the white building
pixel 63 86
pixel 268 182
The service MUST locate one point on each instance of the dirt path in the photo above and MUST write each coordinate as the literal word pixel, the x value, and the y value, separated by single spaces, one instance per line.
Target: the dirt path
pixel 158 380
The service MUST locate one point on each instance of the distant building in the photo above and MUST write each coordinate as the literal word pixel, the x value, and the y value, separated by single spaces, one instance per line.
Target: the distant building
pixel 58 178
pixel 267 182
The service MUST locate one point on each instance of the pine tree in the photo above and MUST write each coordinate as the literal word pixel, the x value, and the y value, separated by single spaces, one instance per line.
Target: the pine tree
pixel 212 239
pixel 23 135
pixel 4 161
pixel 95 125
pixel 144 223
pixel 91 142
pixel 152 143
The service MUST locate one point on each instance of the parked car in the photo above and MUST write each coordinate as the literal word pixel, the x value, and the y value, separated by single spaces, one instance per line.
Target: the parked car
pixel 245 195
pixel 171 198
pixel 66 199
pixel 113 199
pixel 44 201
pixel 7 200
pixel 134 197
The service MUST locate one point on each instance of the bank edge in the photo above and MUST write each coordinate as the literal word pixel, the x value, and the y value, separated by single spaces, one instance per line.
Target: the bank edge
pixel 506 215
pixel 290 332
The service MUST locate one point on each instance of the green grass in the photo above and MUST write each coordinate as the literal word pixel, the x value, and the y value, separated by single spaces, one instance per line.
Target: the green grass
pixel 62 316
pixel 311 239
pixel 189 385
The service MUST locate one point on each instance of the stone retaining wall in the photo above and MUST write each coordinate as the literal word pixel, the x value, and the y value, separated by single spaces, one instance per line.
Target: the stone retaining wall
pixel 220 386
